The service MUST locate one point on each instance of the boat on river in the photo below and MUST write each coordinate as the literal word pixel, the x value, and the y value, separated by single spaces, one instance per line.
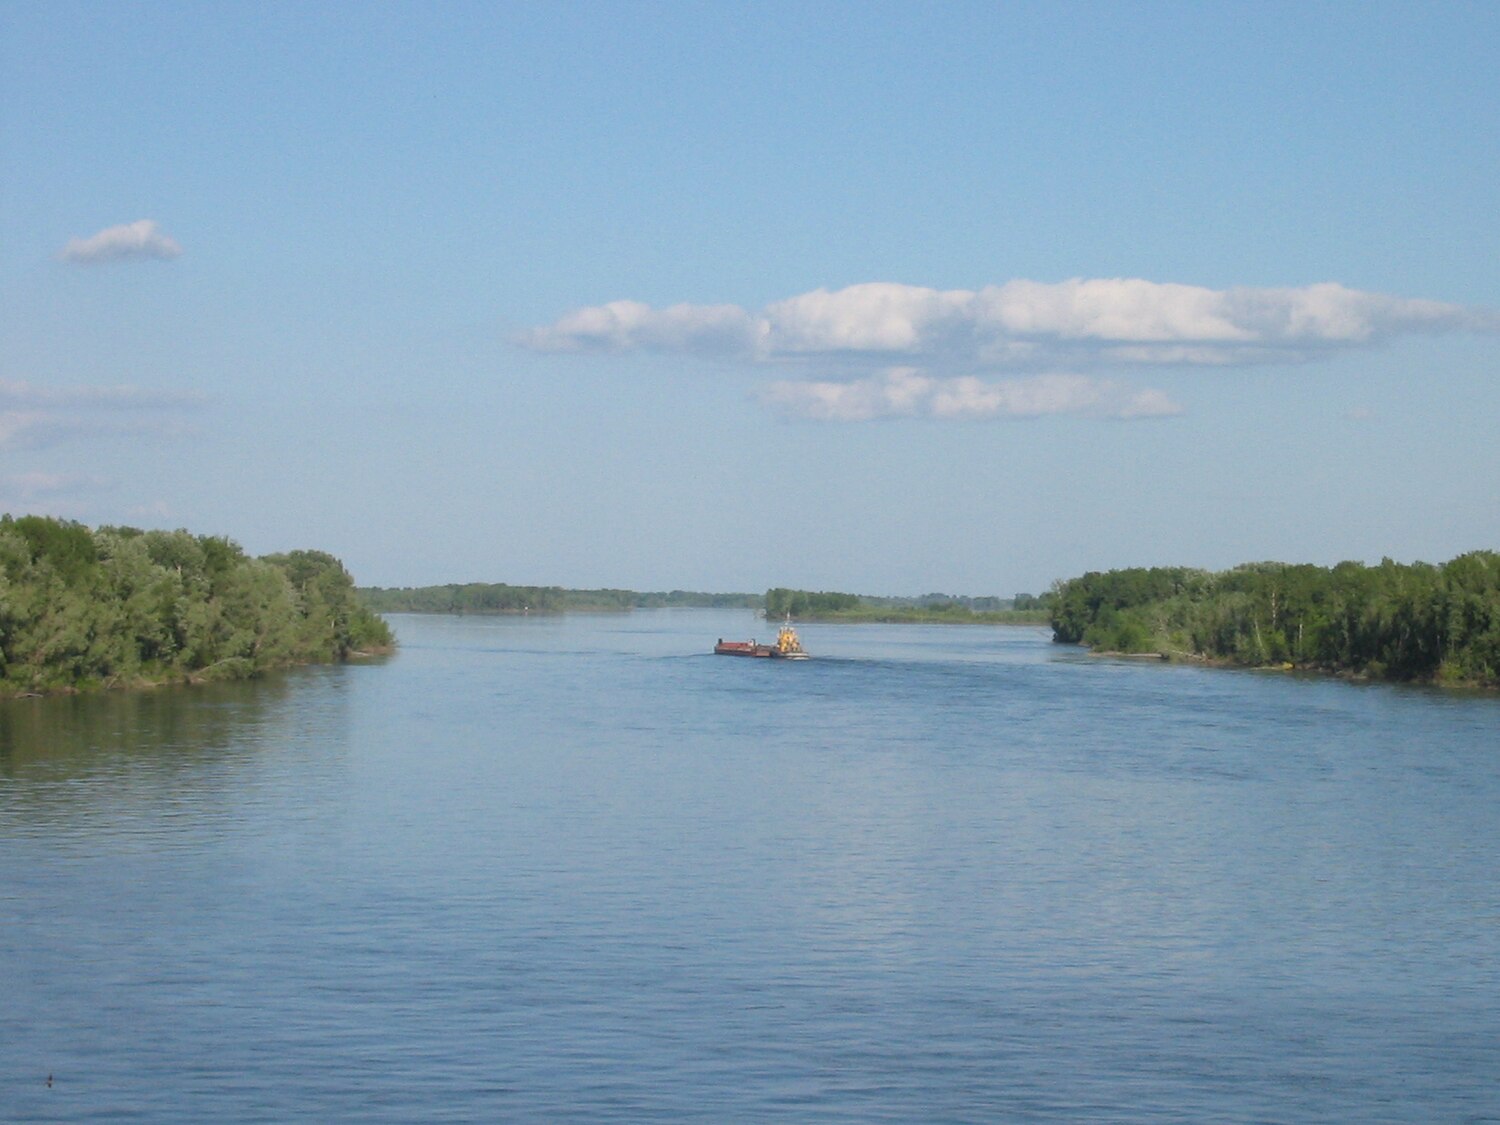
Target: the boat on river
pixel 787 646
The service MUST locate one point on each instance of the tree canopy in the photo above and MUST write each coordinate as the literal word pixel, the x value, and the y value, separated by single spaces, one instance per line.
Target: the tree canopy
pixel 84 608
pixel 1408 622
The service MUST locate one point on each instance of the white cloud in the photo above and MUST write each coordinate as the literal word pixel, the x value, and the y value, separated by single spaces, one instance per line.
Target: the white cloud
pixel 904 392
pixel 950 337
pixel 1020 324
pixel 1117 309
pixel 874 317
pixel 138 241
pixel 622 326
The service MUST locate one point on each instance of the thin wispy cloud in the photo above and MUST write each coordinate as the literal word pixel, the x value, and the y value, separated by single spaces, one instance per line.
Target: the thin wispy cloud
pixel 153 512
pixel 33 417
pixel 624 326
pixel 142 240
pixel 19 392
pixel 1118 322
pixel 906 392
pixel 43 429
pixel 30 486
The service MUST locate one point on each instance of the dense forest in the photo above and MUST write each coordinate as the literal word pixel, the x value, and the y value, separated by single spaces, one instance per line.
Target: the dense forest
pixel 485 597
pixel 1415 622
pixel 117 606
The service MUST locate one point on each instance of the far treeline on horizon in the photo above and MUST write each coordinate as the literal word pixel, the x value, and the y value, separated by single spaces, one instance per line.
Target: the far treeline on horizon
pixel 502 598
pixel 1415 622
pixel 121 607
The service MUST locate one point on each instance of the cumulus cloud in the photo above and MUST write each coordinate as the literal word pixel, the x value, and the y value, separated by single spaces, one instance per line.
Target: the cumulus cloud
pixel 912 351
pixel 874 317
pixel 141 240
pixel 1020 324
pixel 905 392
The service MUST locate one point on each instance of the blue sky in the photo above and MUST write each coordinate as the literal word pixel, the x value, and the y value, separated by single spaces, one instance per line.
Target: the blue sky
pixel 870 297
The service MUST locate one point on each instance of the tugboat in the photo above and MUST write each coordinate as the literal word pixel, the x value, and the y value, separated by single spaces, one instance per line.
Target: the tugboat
pixel 787 646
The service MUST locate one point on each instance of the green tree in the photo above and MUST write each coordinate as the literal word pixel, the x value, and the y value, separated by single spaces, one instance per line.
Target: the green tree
pixel 80 608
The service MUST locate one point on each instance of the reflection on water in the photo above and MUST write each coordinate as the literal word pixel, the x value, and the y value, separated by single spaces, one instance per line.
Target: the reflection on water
pixel 86 766
pixel 64 737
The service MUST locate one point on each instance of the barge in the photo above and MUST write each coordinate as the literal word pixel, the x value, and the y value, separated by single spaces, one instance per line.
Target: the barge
pixel 786 647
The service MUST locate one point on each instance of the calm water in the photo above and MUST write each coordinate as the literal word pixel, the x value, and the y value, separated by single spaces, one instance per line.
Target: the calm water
pixel 575 868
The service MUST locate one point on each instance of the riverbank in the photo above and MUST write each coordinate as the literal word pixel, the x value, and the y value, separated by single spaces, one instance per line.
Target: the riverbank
pixel 223 672
pixel 1289 667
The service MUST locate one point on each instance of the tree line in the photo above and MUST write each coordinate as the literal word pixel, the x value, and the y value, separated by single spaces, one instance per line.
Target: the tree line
pixel 781 602
pixel 928 608
pixel 1416 622
pixel 498 597
pixel 778 602
pixel 117 606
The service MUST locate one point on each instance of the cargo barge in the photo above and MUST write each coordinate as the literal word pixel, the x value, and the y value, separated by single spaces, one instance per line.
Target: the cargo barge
pixel 786 647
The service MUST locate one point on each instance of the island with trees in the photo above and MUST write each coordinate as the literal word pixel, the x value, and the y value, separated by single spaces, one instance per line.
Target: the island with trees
pixel 1414 622
pixel 85 608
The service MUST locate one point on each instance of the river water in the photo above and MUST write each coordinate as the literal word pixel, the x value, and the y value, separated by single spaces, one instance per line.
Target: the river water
pixel 579 869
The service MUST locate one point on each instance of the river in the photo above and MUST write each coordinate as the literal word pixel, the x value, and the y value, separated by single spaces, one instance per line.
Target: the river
pixel 579 869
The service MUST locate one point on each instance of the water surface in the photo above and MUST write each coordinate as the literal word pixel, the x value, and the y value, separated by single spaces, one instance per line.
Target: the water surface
pixel 576 868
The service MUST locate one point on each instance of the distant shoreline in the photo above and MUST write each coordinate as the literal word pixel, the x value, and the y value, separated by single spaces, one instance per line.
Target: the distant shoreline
pixel 502 599
pixel 931 617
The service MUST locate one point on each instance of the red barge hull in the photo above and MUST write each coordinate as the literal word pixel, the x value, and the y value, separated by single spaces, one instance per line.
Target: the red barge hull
pixel 744 648
pixel 787 646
